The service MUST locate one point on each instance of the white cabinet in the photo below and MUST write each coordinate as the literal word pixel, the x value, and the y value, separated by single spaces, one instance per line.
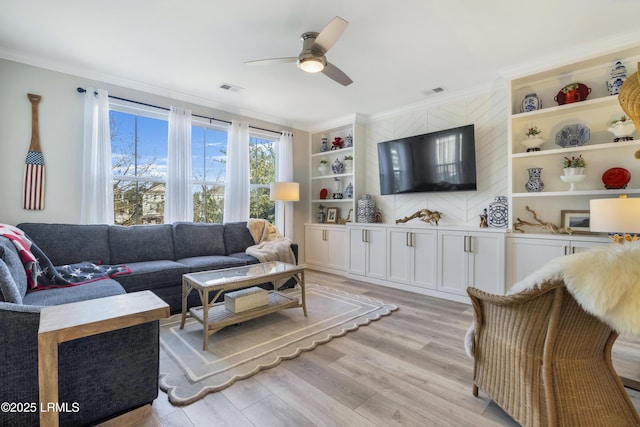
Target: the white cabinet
pixel 412 256
pixel 368 251
pixel 326 247
pixel 526 254
pixel 470 259
pixel 600 152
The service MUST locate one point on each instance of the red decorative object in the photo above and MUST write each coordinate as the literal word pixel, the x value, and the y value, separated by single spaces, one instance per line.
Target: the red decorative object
pixel 567 96
pixel 616 178
pixel 337 143
pixel 324 193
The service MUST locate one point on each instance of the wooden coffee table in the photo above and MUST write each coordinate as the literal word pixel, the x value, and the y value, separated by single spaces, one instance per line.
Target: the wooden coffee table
pixel 214 317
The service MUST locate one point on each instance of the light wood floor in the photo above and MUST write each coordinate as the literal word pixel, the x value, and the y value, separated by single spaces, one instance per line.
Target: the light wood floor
pixel 408 369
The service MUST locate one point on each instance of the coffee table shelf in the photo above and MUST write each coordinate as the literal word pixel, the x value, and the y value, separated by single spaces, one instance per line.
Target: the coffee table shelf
pixel 219 316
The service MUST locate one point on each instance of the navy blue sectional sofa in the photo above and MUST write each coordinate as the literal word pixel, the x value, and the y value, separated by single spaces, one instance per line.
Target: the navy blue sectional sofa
pixel 111 373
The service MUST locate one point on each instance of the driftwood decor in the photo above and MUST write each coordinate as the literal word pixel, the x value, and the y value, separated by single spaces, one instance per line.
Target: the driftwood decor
pixel 548 226
pixel 343 221
pixel 432 217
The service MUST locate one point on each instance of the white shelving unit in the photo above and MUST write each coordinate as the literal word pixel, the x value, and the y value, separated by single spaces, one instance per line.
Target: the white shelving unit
pixel 600 152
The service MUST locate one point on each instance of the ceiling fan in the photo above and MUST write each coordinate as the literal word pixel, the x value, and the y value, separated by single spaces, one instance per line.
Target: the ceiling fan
pixel 312 58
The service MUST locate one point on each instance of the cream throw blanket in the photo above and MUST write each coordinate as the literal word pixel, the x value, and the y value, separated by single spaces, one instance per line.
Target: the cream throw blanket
pixel 605 281
pixel 270 244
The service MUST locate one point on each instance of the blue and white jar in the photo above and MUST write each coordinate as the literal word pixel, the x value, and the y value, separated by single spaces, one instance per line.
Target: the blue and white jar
pixel 498 214
pixel 348 191
pixel 535 184
pixel 337 166
pixel 531 102
pixel 618 76
pixel 348 141
pixel 366 209
pixel 324 146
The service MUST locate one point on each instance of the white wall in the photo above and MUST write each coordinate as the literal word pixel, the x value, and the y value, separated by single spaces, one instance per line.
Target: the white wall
pixel 60 116
pixel 488 112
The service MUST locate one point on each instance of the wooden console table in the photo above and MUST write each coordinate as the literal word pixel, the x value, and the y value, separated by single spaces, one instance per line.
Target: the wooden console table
pixel 67 322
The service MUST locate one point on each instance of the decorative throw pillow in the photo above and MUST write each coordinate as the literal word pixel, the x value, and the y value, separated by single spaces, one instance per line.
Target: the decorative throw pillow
pixel 8 287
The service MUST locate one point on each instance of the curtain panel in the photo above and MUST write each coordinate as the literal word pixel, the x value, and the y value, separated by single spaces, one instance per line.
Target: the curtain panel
pixel 284 172
pixel 97 171
pixel 178 204
pixel 236 192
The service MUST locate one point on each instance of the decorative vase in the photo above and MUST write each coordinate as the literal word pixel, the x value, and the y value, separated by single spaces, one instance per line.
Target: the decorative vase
pixel 531 102
pixel 337 188
pixel 572 177
pixel 337 166
pixel 325 144
pixel 323 168
pixel 348 165
pixel 320 215
pixel 498 215
pixel 618 76
pixel 622 130
pixel 366 210
pixel 533 143
pixel 535 184
pixel 348 191
pixel 573 171
pixel 348 141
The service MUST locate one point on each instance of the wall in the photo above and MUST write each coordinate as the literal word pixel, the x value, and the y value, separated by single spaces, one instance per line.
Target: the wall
pixel 487 110
pixel 60 117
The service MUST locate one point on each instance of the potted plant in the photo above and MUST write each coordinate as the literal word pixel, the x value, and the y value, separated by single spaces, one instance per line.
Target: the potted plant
pixel 324 167
pixel 348 164
pixel 574 165
pixel 534 140
pixel 622 128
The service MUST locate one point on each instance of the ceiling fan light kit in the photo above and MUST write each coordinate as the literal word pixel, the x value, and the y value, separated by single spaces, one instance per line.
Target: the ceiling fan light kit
pixel 314 47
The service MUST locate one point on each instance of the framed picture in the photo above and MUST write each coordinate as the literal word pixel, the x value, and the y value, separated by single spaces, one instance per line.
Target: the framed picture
pixel 578 221
pixel 332 215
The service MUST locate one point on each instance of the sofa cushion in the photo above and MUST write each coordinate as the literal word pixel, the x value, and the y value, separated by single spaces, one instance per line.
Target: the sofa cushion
pixel 152 274
pixel 138 243
pixel 71 243
pixel 56 296
pixel 17 286
pixel 237 237
pixel 245 257
pixel 214 262
pixel 196 239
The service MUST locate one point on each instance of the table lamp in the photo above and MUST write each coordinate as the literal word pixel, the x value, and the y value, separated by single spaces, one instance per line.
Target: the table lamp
pixel 285 192
pixel 619 217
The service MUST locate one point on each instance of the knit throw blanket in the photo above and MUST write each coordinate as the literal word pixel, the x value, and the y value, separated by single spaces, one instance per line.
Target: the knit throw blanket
pixel 42 274
pixel 605 281
pixel 270 244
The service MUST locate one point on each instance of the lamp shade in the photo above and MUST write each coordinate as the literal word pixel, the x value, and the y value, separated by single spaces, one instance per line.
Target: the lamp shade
pixel 615 215
pixel 285 191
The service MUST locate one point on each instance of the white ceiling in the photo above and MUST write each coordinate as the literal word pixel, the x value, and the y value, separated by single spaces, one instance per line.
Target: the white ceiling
pixel 393 50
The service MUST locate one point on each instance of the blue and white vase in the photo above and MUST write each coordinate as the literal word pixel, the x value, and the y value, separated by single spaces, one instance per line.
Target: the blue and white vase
pixel 348 191
pixel 618 76
pixel 348 141
pixel 325 144
pixel 531 102
pixel 337 166
pixel 498 214
pixel 366 209
pixel 535 184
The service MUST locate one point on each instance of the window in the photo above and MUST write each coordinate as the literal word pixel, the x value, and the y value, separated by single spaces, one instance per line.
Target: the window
pixel 139 141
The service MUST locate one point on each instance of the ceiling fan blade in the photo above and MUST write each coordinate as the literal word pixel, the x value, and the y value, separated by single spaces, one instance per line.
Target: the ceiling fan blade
pixel 330 34
pixel 272 61
pixel 336 74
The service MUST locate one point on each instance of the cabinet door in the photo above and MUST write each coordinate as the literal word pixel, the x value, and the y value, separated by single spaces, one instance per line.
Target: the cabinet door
pixel 357 251
pixel 525 256
pixel 338 246
pixel 486 262
pixel 453 268
pixel 578 246
pixel 315 251
pixel 399 259
pixel 424 258
pixel 376 253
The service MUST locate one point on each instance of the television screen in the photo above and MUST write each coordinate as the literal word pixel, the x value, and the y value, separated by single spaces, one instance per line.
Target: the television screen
pixel 437 161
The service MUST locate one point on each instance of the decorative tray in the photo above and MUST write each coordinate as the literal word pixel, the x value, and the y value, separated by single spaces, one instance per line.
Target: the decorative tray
pixel 583 91
pixel 573 135
pixel 616 178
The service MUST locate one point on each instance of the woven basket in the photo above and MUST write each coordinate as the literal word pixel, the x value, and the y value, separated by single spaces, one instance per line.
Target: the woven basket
pixel 629 97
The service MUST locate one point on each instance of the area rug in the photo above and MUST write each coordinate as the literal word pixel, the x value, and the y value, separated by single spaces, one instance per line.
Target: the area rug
pixel 187 373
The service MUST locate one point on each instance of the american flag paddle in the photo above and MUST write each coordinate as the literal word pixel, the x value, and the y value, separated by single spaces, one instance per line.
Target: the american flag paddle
pixel 33 194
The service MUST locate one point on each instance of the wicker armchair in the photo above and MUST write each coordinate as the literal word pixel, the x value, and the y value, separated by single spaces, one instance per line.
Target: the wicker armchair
pixel 546 361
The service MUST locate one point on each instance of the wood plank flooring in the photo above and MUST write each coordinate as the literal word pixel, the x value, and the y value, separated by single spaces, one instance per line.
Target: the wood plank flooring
pixel 408 369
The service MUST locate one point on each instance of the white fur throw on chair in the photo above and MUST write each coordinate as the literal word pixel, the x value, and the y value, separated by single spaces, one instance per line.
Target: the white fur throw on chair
pixel 605 281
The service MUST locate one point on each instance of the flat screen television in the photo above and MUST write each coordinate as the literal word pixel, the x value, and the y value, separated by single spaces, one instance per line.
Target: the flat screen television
pixel 437 161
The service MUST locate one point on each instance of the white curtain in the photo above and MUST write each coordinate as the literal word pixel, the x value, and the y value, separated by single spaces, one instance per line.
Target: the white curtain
pixel 284 172
pixel 97 172
pixel 178 205
pixel 236 191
